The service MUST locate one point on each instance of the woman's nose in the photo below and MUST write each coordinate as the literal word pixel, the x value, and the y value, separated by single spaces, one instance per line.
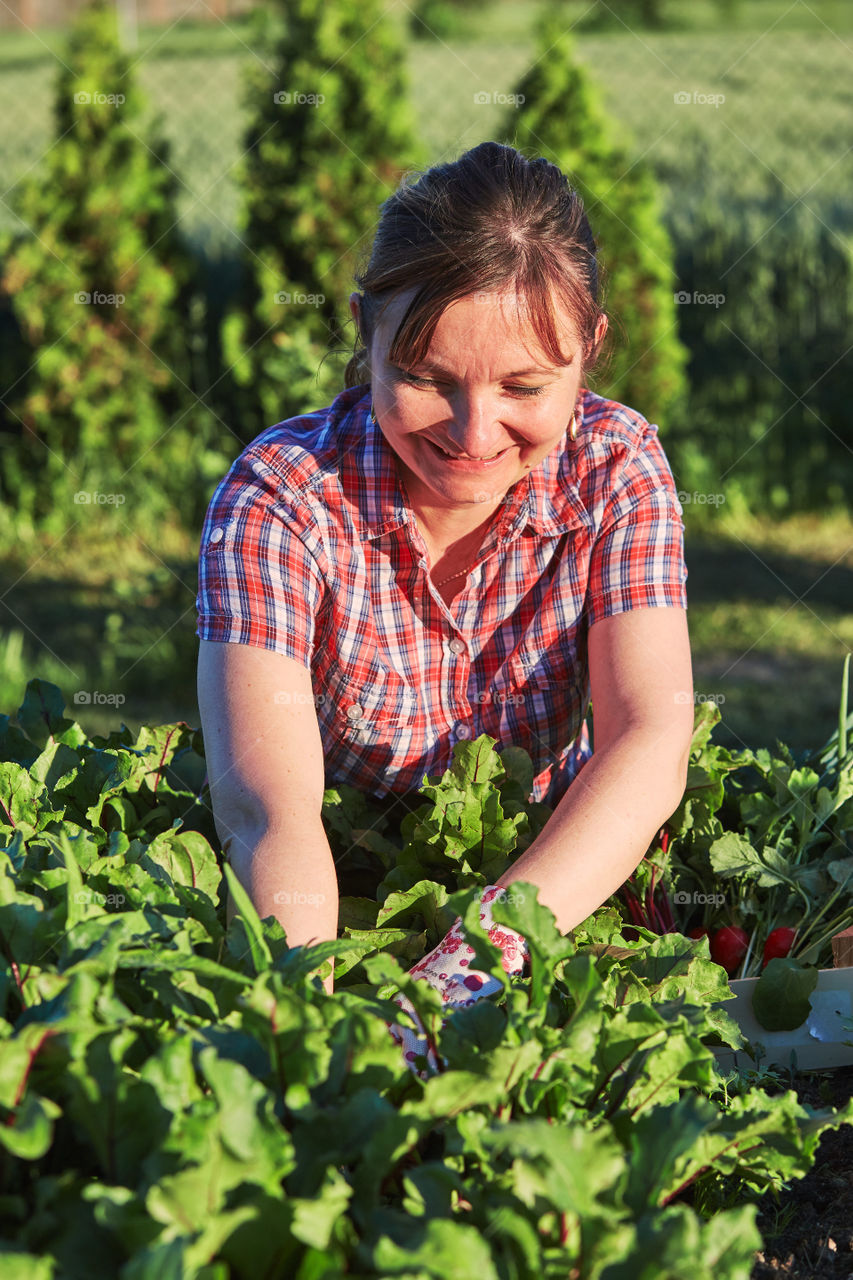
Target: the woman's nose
pixel 476 430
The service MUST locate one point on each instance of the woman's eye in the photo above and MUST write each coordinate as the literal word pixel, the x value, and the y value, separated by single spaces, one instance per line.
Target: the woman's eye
pixel 431 382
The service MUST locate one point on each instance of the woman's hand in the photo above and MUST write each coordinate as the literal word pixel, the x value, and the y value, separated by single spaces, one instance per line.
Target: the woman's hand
pixel 446 968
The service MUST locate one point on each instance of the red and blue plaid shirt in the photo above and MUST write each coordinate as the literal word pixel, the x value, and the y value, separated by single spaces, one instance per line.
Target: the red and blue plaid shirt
pixel 310 548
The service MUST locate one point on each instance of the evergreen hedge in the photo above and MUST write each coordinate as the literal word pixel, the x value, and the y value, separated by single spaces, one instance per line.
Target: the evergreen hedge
pixel 330 134
pixel 99 406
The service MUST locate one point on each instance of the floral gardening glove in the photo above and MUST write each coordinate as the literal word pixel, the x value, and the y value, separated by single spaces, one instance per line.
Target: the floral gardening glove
pixel 446 969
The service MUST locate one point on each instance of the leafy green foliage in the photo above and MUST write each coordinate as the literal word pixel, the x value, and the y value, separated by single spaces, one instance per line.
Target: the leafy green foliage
pixel 181 1096
pixel 763 840
pixel 561 117
pixel 102 291
pixel 780 1000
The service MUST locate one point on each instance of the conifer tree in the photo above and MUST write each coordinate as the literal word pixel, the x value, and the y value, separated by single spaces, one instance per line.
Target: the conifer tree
pixel 100 288
pixel 561 118
pixel 331 133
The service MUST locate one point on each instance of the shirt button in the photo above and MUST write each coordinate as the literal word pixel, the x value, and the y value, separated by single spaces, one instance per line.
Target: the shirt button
pixel 217 535
pixel 456 645
pixel 463 731
pixel 355 712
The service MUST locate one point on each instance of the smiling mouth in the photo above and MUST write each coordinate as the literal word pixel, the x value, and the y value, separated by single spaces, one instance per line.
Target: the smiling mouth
pixel 466 457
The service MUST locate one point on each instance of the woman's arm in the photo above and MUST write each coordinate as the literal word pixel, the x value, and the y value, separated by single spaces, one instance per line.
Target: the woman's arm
pixel 265 765
pixel 641 686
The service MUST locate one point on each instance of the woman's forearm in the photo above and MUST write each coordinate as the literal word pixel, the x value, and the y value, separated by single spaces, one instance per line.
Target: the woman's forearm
pixel 603 826
pixel 289 875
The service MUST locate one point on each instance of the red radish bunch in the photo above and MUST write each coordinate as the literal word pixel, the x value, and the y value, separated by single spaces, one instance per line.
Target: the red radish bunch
pixel 729 945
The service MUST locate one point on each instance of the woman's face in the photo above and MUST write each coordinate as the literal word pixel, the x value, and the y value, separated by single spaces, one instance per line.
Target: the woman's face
pixel 484 406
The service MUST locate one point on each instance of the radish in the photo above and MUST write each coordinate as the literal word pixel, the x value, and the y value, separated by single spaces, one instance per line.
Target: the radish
pixel 701 931
pixel 778 944
pixel 728 947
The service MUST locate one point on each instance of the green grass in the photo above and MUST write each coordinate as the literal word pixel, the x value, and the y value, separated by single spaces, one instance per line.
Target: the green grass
pixel 770 613
pixel 117 625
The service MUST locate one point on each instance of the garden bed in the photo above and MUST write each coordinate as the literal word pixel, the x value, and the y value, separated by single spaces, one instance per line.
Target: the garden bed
pixel 179 1095
pixel 808 1230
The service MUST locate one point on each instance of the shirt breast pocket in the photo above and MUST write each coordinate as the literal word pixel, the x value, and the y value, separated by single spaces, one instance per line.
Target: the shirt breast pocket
pixel 366 704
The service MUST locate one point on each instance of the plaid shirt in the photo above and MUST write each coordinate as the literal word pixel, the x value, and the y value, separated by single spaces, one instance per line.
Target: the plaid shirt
pixel 310 547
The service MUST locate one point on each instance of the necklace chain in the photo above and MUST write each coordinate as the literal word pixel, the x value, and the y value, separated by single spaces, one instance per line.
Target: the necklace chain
pixel 461 573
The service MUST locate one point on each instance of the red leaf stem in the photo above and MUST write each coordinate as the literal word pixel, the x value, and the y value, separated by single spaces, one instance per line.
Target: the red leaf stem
pixel 18 981
pixel 163 757
pixel 33 1054
pixel 633 904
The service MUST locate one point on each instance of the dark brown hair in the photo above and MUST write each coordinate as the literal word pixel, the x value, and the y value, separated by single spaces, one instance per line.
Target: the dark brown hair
pixel 490 220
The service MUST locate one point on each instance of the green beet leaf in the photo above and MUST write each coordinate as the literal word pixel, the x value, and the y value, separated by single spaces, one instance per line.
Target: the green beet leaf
pixel 675 1244
pixel 315 1219
pixel 247 1126
pixel 81 842
pixel 248 918
pixel 441 1249
pixel 24 804
pixel 734 855
pixel 574 1169
pixel 421 905
pixel 474 762
pixel 40 714
pixel 662 1143
pixel 27 928
pixel 16 1264
pixel 357 913
pixel 15 745
pixel 30 1134
pixel 183 857
pixel 518 767
pixel 56 765
pixel 780 999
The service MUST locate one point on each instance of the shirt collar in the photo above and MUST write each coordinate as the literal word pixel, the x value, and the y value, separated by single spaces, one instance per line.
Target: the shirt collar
pixel 366 466
pixel 551 504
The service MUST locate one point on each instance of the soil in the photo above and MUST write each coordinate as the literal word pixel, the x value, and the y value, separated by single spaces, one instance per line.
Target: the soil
pixel 808 1230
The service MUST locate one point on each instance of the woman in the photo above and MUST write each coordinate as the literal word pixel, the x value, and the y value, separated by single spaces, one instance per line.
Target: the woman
pixel 468 540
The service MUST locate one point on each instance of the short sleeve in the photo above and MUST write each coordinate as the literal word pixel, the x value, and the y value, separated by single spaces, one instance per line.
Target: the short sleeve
pixel 259 582
pixel 637 558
